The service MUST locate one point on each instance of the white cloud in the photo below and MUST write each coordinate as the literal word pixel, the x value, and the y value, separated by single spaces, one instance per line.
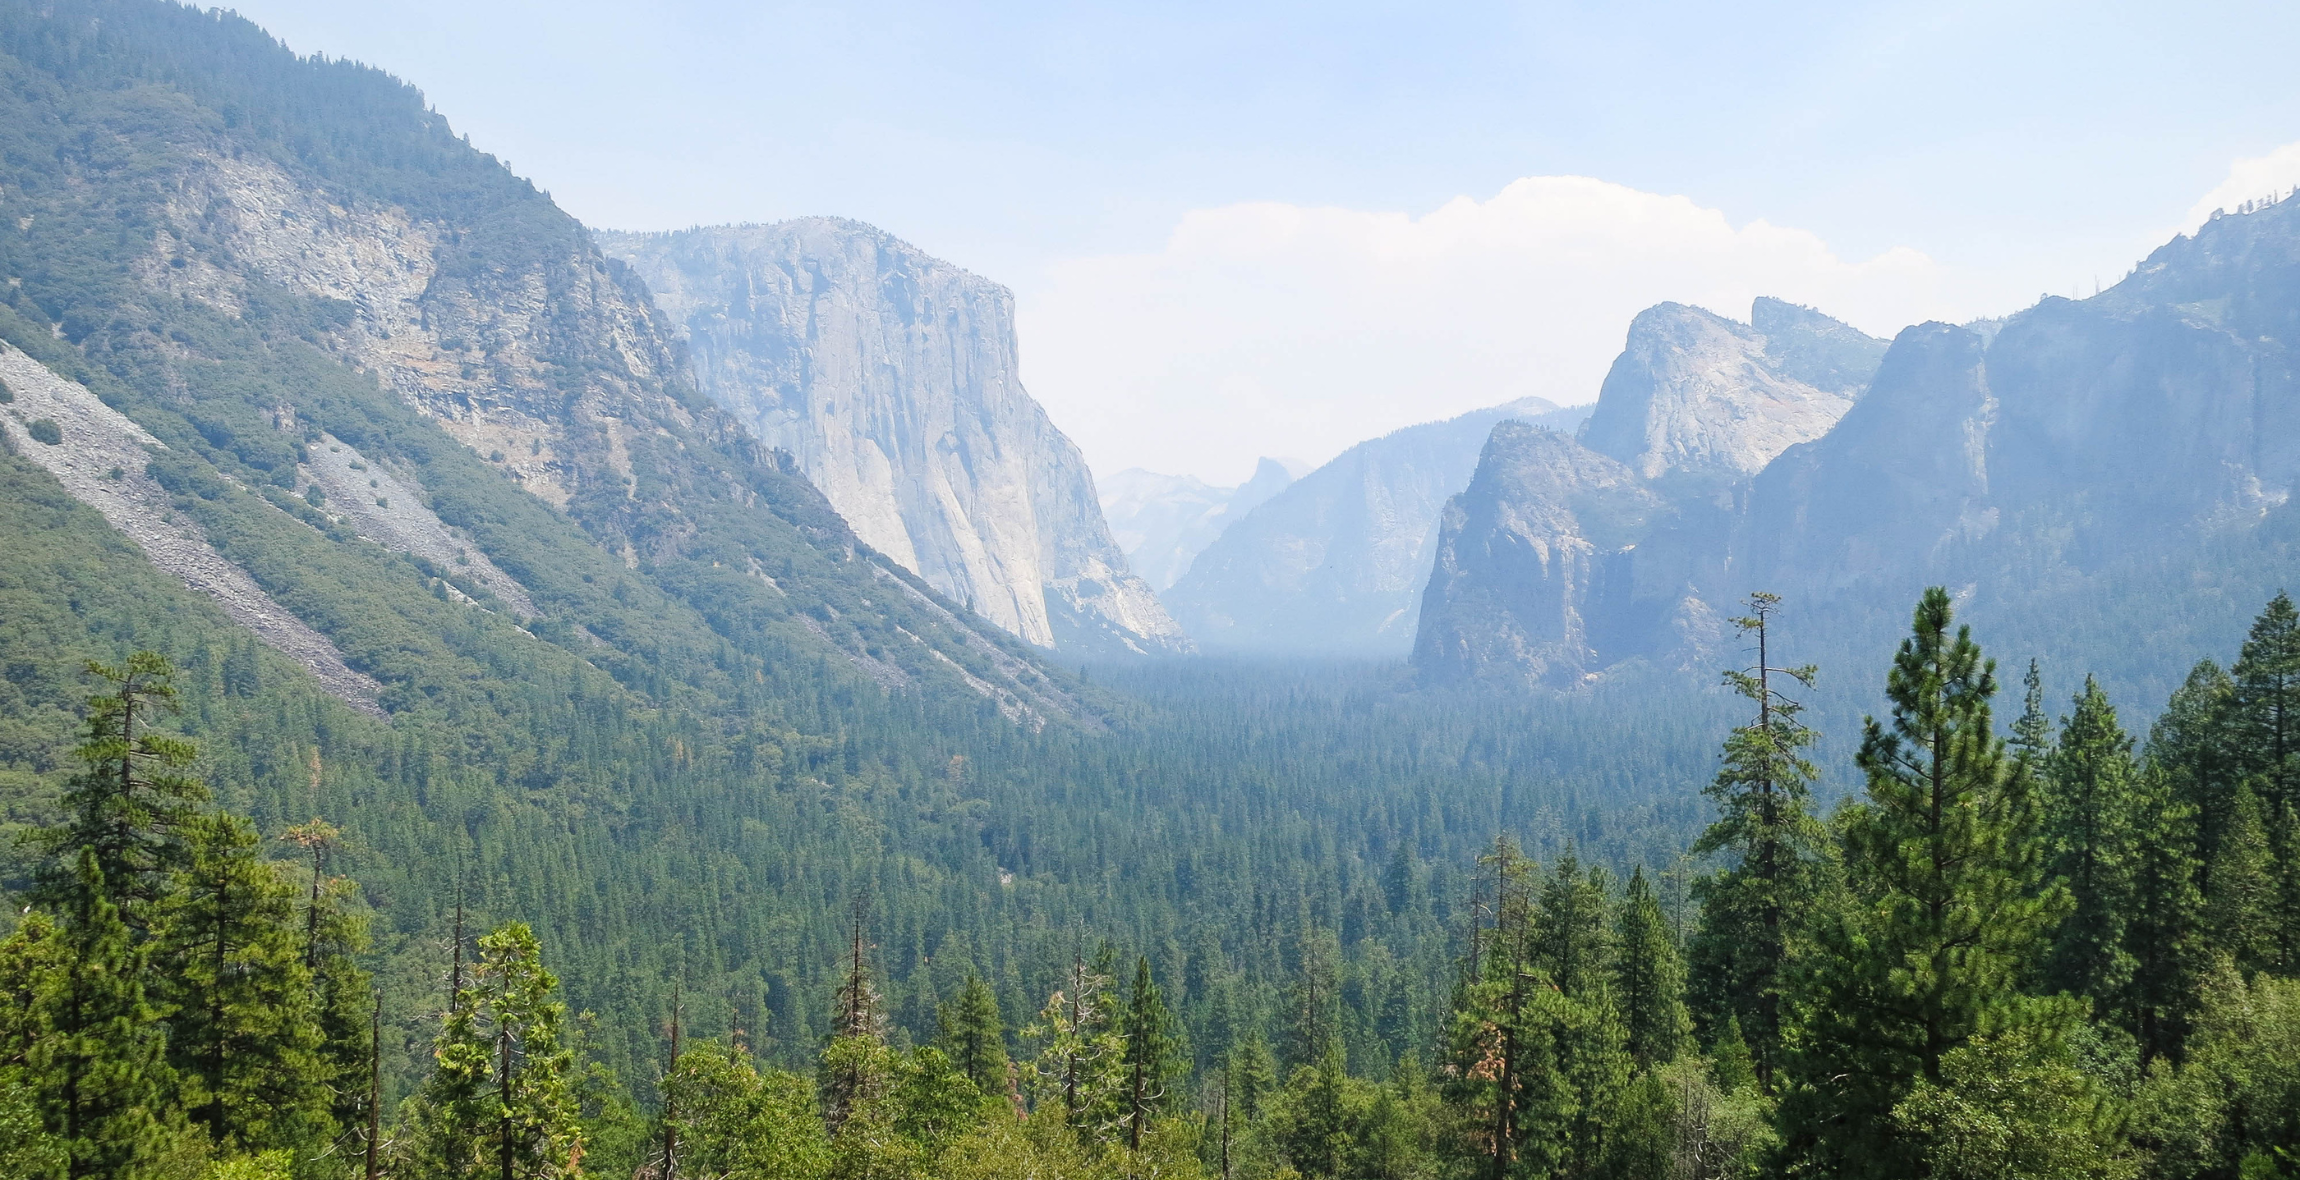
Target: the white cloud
pixel 1280 329
pixel 2271 176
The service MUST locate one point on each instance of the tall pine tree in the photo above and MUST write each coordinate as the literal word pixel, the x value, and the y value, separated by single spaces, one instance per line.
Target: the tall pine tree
pixel 1755 911
pixel 244 1032
pixel 2090 783
pixel 1648 978
pixel 1951 909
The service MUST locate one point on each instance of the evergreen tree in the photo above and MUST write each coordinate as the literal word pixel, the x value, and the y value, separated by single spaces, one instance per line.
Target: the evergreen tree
pixel 2165 933
pixel 734 1122
pixel 1573 931
pixel 2090 782
pixel 501 1098
pixel 1153 1053
pixel 536 1131
pixel 1648 980
pixel 2191 747
pixel 131 800
pixel 2240 906
pixel 1313 1000
pixel 2266 705
pixel 452 1113
pixel 1080 1057
pixel 1951 909
pixel 335 936
pixel 2266 726
pixel 853 1069
pixel 99 1061
pixel 974 1037
pixel 244 1033
pixel 1755 911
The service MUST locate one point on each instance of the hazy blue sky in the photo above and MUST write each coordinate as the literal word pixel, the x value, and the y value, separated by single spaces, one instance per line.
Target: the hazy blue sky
pixel 1237 210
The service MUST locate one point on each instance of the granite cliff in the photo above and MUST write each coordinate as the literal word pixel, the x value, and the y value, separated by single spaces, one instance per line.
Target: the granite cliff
pixel 1565 556
pixel 1334 565
pixel 891 377
pixel 2110 475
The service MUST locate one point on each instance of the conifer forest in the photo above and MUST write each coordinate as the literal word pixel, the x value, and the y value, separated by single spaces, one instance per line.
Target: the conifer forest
pixel 443 736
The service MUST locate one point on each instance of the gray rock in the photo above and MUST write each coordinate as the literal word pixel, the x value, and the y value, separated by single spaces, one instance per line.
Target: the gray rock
pixel 1530 562
pixel 891 377
pixel 1696 393
pixel 1334 565
pixel 1163 522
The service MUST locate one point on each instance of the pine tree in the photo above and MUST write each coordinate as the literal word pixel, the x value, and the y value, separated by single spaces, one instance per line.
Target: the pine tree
pixel 853 1069
pixel 131 800
pixel 334 939
pixel 2191 746
pixel 2266 728
pixel 1755 911
pixel 244 1033
pixel 974 1037
pixel 2266 705
pixel 1573 932
pixel 1079 1062
pixel 1952 907
pixel 1153 1053
pixel 2088 819
pixel 453 1111
pixel 2165 933
pixel 99 1063
pixel 1313 1000
pixel 536 1132
pixel 2239 910
pixel 1648 980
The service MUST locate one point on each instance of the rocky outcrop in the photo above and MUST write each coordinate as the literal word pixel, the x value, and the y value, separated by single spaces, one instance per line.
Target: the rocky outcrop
pixel 2110 476
pixel 1529 575
pixel 100 457
pixel 1698 394
pixel 892 377
pixel 493 314
pixel 1563 559
pixel 1163 522
pixel 1335 564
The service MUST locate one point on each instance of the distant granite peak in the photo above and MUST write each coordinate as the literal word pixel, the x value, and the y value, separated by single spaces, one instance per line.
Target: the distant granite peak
pixel 1694 392
pixel 891 376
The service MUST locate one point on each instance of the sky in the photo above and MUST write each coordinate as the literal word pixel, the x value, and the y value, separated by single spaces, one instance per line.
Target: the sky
pixel 1241 229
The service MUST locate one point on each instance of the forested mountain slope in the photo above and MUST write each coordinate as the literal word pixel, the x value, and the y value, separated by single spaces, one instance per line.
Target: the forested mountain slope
pixel 632 679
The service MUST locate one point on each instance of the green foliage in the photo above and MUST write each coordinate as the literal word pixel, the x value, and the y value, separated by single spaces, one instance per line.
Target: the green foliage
pixel 97 1057
pixel 1756 911
pixel 243 1016
pixel 1648 979
pixel 974 1037
pixel 2090 796
pixel 2236 1097
pixel 731 1120
pixel 129 804
pixel 45 430
pixel 2014 1106
pixel 1949 909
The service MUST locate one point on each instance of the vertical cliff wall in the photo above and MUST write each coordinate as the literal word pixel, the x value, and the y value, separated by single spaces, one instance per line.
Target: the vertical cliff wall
pixel 892 377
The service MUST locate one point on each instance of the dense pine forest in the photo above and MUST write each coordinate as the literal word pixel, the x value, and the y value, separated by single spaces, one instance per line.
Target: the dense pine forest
pixel 2036 949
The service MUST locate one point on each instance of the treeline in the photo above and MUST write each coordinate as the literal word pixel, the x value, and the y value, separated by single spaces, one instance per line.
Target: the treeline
pixel 2040 954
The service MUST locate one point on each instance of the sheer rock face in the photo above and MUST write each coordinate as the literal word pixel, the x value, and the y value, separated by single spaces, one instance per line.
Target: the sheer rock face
pixel 1565 557
pixel 549 362
pixel 891 377
pixel 1334 565
pixel 2110 475
pixel 1697 393
pixel 1529 561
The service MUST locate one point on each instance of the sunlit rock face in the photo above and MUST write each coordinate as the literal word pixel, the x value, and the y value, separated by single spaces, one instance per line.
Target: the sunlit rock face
pixel 891 376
